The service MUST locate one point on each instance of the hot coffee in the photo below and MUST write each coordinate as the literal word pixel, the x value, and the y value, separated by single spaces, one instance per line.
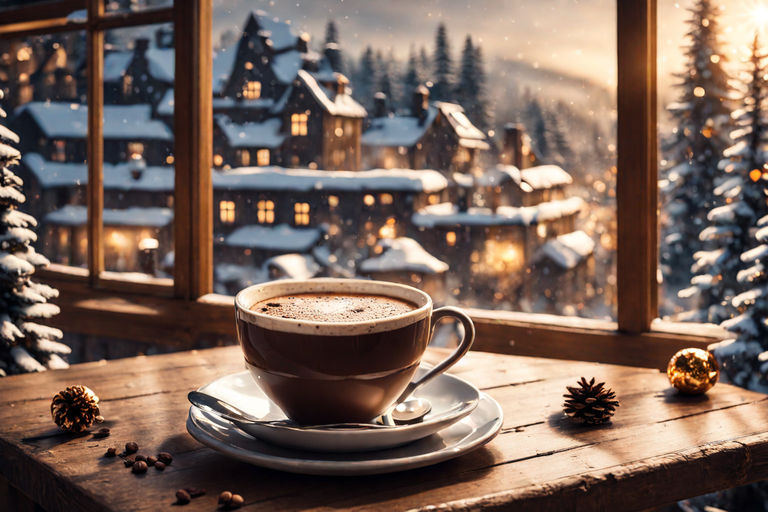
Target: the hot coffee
pixel 333 307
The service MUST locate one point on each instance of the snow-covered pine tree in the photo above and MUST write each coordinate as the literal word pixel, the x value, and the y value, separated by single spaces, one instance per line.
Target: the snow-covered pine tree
pixel 442 89
pixel 482 115
pixel 332 49
pixel 25 346
pixel 536 124
pixel 465 86
pixel 384 77
pixel 411 79
pixel 741 188
pixel 363 89
pixel 701 118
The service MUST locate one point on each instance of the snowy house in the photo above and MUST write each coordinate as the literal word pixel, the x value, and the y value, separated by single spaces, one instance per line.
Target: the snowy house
pixel 246 144
pixel 58 131
pixel 143 75
pixel 404 260
pixel 126 231
pixel 254 244
pixel 507 185
pixel 437 136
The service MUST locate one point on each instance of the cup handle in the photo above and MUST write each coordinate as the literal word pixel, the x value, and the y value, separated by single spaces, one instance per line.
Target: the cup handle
pixel 463 348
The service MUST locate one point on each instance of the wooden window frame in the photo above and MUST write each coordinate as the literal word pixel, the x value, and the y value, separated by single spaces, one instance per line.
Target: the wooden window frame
pixel 179 314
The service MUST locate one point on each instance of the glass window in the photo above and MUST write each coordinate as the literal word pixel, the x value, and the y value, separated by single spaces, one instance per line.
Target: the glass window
pixel 299 124
pixel 301 214
pixel 117 6
pixel 227 212
pixel 244 157
pixel 266 211
pixel 252 90
pixel 262 157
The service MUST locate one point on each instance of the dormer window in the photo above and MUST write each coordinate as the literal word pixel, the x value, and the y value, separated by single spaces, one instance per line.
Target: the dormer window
pixel 299 124
pixel 252 90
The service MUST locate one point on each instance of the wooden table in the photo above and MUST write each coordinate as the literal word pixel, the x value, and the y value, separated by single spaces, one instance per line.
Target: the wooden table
pixel 661 447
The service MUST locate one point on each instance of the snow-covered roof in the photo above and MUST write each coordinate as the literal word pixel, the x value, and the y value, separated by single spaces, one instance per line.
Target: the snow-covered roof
pixel 293 266
pixel 334 104
pixel 274 238
pixel 265 134
pixel 403 255
pixel 397 130
pixel 160 61
pixel 306 180
pixel 469 135
pixel 287 65
pixel 242 103
pixel 116 177
pixel 567 251
pixel 278 31
pixel 448 214
pixel 545 176
pixel 76 215
pixel 223 61
pixel 70 120
pixel 165 106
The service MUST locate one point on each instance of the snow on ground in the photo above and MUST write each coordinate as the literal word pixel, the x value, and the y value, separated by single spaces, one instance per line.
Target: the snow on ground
pixel 334 104
pixel 118 177
pixel 292 266
pixel 265 134
pixel 568 250
pixel 274 238
pixel 397 130
pixel 403 255
pixel 70 120
pixel 448 214
pixel 307 180
pixel 75 215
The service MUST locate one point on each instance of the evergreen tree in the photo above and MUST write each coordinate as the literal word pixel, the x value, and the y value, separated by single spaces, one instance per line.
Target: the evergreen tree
pixel 701 119
pixel 365 82
pixel 466 88
pixel 425 65
pixel 25 346
pixel 411 79
pixel 331 33
pixel 384 76
pixel 443 66
pixel 730 231
pixel 481 116
pixel 538 130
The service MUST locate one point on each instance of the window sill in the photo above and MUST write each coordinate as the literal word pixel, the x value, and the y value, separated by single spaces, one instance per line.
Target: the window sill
pixel 131 313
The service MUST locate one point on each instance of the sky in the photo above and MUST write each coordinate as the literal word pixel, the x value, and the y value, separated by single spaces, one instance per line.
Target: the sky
pixel 572 36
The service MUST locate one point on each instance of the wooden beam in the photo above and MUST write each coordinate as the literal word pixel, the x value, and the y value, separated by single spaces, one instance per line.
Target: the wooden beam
pixel 40 11
pixel 131 19
pixel 637 189
pixel 95 143
pixel 193 222
pixel 33 28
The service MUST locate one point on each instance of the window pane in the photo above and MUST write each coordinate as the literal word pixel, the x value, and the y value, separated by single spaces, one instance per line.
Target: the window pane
pixel 711 172
pixel 43 81
pixel 138 151
pixel 114 6
pixel 469 152
pixel 13 4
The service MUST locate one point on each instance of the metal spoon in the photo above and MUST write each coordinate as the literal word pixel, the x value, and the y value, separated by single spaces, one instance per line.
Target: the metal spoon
pixel 228 411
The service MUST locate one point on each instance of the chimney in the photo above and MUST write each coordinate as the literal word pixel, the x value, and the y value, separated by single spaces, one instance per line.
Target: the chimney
pixel 137 167
pixel 341 83
pixel 420 103
pixel 142 44
pixel 380 105
pixel 302 43
pixel 513 145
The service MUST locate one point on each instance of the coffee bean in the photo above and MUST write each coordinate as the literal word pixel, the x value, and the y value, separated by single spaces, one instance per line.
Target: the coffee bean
pixel 183 497
pixel 111 452
pixel 236 501
pixel 131 447
pixel 165 458
pixel 139 467
pixel 128 463
pixel 141 458
pixel 225 497
pixel 151 460
pixel 101 433
pixel 195 492
pixel 159 466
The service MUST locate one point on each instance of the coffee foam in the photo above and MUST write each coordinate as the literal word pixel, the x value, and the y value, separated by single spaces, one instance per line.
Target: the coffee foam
pixel 333 307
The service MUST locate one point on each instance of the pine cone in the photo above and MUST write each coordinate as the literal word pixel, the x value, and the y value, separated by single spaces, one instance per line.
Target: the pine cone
pixel 75 409
pixel 590 403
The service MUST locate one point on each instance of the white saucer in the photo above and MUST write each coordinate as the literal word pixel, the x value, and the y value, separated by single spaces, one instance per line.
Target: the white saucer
pixel 451 397
pixel 470 433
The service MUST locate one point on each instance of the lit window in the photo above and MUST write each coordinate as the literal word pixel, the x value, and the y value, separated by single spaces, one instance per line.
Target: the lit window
pixel 218 160
pixel 369 200
pixel 135 150
pixel 386 198
pixel 244 156
pixel 339 130
pixel 248 65
pixel 262 157
pixel 252 90
pixel 301 214
pixel 227 211
pixel 450 238
pixel 433 199
pixel 127 85
pixel 23 54
pixel 265 211
pixel 541 230
pixel 59 151
pixel 299 124
pixel 333 201
pixel 169 160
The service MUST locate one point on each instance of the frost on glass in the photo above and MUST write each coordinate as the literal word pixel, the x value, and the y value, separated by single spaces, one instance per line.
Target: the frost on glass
pixel 464 149
pixel 39 74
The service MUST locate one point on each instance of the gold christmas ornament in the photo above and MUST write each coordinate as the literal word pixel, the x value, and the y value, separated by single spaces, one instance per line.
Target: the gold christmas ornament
pixel 590 403
pixel 75 409
pixel 693 371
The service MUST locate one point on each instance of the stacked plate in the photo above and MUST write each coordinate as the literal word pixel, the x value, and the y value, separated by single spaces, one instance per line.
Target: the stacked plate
pixel 462 419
